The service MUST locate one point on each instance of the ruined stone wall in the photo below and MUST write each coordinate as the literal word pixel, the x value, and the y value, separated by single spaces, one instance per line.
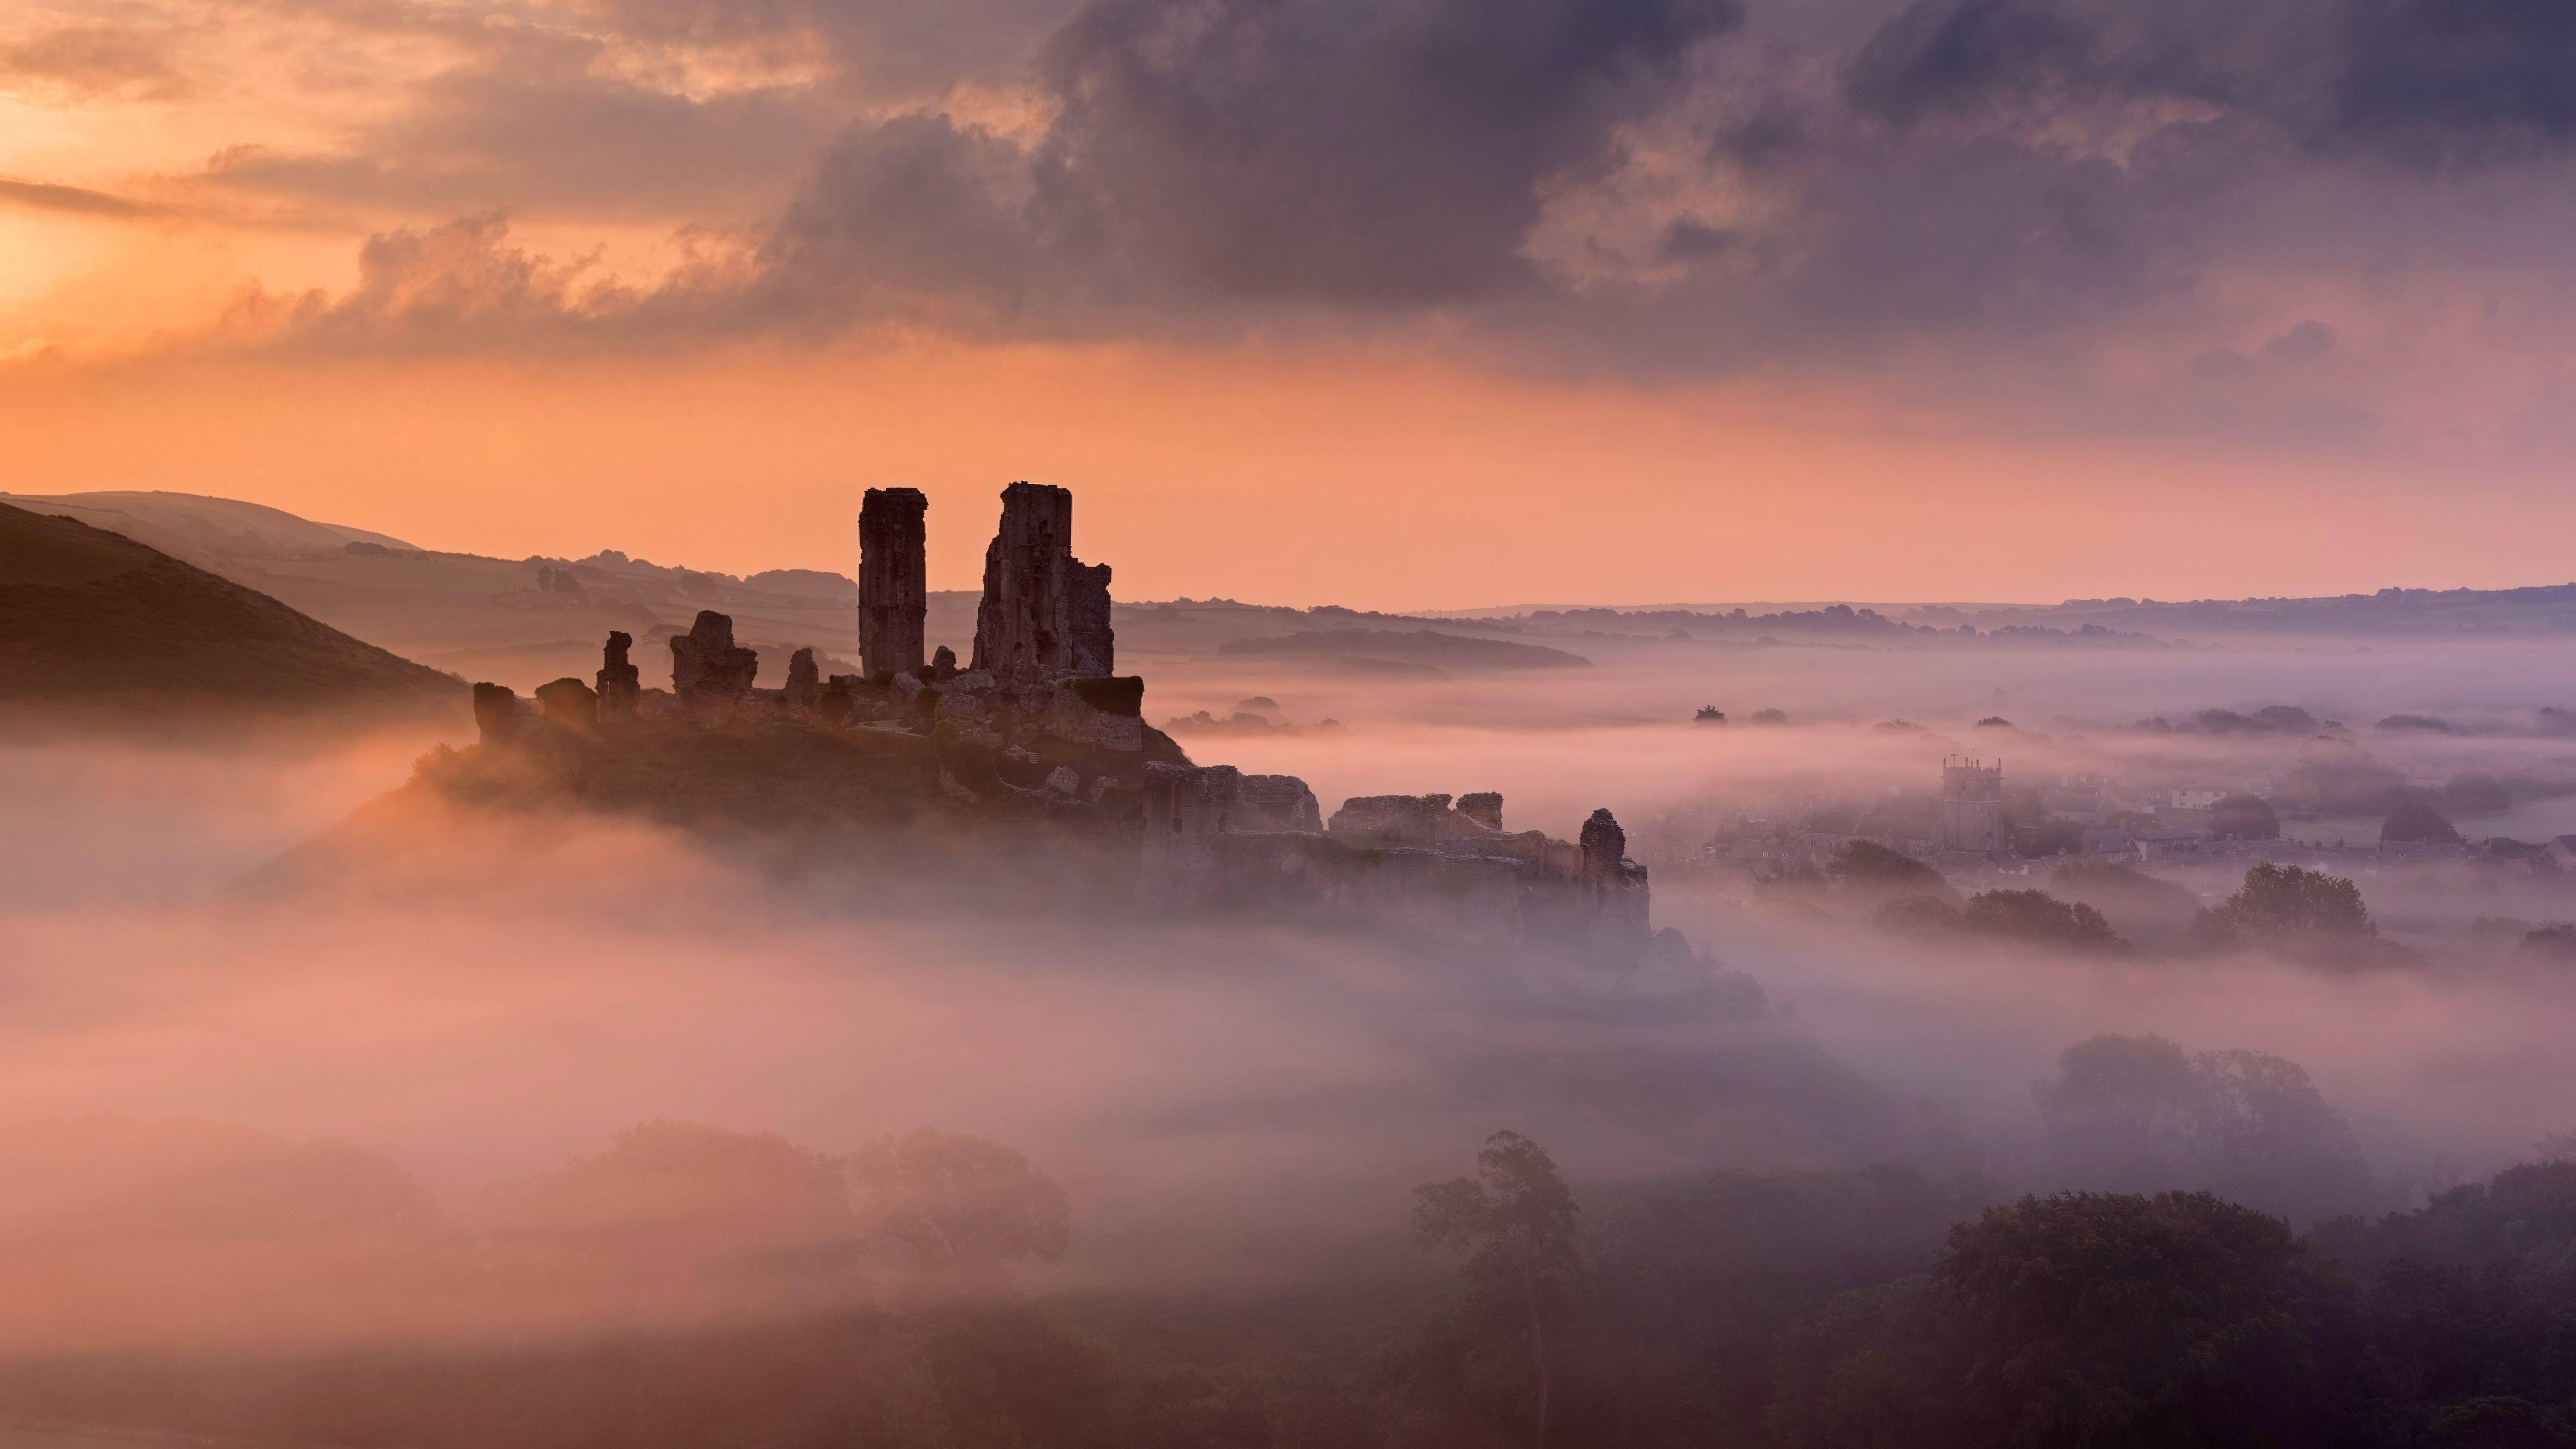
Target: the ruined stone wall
pixel 1273 804
pixel 496 713
pixel 1216 837
pixel 1422 819
pixel 569 704
pixel 1394 819
pixel 707 666
pixel 894 597
pixel 1187 811
pixel 1044 615
pixel 804 688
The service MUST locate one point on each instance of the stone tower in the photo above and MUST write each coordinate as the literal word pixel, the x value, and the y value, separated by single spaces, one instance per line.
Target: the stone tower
pixel 1972 806
pixel 1045 614
pixel 893 580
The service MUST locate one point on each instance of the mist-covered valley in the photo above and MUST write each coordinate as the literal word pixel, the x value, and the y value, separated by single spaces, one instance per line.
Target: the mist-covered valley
pixel 565 1124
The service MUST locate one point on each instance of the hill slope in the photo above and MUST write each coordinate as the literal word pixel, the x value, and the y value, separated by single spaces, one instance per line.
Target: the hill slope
pixel 202 530
pixel 95 625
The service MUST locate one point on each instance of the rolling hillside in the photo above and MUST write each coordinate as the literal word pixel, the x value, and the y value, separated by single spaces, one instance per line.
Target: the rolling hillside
pixel 97 627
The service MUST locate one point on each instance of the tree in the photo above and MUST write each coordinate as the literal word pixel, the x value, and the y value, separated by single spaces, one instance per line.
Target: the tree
pixel 2156 914
pixel 2244 817
pixel 2417 820
pixel 2548 946
pixel 2495 1421
pixel 2281 902
pixel 2114 1319
pixel 2136 1114
pixel 2123 1112
pixel 1868 865
pixel 961 1206
pixel 1915 915
pixel 1515 1221
pixel 2040 918
pixel 2274 1141
pixel 684 1190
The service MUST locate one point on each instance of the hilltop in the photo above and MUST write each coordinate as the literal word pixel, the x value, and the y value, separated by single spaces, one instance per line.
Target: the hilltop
pixel 99 630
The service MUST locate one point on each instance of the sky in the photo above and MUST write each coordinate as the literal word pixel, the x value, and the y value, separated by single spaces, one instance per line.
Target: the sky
pixel 1390 303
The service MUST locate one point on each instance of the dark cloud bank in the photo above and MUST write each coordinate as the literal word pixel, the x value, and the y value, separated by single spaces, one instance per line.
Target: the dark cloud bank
pixel 1657 184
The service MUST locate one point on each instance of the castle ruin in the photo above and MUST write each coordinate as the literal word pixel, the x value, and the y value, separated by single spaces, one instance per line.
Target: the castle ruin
pixel 1040 730
pixel 1045 614
pixel 894 594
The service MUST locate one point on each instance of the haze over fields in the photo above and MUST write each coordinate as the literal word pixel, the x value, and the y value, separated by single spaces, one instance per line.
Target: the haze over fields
pixel 1287 724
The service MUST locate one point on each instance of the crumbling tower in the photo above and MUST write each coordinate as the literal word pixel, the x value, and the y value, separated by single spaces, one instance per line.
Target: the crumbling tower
pixel 894 593
pixel 1614 887
pixel 1972 805
pixel 1045 614
pixel 621 684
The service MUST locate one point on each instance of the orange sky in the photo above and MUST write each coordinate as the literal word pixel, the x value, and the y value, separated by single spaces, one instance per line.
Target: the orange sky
pixel 1364 480
pixel 756 260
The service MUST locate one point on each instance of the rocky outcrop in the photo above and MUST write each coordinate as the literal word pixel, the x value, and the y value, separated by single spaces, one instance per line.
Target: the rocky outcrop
pixel 569 704
pixel 1044 614
pixel 621 684
pixel 707 666
pixel 1484 807
pixel 894 594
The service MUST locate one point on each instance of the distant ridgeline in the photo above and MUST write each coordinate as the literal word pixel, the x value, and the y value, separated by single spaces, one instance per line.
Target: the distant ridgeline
pixel 1037 753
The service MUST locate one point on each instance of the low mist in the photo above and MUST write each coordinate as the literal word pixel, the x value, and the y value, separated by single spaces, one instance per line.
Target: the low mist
pixel 560 1078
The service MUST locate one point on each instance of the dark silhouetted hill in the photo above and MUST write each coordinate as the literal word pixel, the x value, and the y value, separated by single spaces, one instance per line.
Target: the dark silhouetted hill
pixel 97 629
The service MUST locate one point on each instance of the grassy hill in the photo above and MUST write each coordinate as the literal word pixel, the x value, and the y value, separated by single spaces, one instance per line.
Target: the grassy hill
pixel 95 627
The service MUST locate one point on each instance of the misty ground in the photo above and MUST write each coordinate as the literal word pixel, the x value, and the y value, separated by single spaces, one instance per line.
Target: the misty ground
pixel 1237 1112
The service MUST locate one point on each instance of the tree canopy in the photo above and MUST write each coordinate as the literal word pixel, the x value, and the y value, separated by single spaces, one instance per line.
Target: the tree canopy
pixel 1514 1221
pixel 2244 817
pixel 2041 919
pixel 958 1204
pixel 1866 864
pixel 2288 901
pixel 2417 820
